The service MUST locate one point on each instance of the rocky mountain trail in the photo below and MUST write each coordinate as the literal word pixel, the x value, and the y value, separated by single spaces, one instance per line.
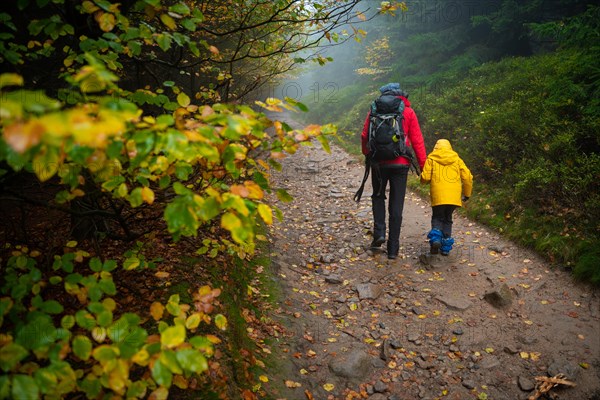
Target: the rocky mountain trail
pixel 481 323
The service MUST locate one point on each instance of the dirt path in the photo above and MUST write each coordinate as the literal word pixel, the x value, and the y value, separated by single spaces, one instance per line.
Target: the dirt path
pixel 361 326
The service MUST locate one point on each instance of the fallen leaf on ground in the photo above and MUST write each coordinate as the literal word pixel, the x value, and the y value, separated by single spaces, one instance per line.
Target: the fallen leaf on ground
pixel 248 395
pixel 157 310
pixel 524 285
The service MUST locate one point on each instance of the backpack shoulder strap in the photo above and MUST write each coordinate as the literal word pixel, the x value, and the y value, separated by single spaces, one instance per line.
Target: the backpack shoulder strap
pixel 401 107
pixel 373 107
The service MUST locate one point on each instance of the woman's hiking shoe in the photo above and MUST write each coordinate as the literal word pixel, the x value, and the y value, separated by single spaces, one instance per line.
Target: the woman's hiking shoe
pixel 446 246
pixel 435 240
pixel 377 242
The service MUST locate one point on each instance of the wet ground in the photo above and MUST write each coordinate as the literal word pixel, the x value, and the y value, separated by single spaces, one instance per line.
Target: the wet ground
pixel 483 322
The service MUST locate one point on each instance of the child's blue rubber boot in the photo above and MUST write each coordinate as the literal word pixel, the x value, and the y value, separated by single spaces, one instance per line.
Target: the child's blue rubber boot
pixel 435 240
pixel 446 246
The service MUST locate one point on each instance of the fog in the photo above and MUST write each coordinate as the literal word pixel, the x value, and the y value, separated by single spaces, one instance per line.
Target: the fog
pixel 419 47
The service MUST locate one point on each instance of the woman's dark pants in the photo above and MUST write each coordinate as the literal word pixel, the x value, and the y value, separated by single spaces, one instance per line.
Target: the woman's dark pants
pixel 396 176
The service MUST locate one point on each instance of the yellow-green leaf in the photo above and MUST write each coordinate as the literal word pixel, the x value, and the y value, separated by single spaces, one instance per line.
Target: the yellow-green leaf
pixel 221 321
pixel 131 263
pixel 183 99
pixel 147 195
pixel 10 80
pixel 99 334
pixel 168 21
pixel 193 321
pixel 173 336
pixel 233 224
pixel 89 7
pixel 82 347
pixel 265 213
pixel 106 21
pixel 161 393
pixel 10 355
pixel 254 191
pixel 122 190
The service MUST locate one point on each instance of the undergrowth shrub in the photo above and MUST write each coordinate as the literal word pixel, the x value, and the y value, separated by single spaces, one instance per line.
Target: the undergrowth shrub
pixel 529 132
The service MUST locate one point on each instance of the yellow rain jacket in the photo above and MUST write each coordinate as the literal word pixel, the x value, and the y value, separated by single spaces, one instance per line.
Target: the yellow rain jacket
pixel 447 174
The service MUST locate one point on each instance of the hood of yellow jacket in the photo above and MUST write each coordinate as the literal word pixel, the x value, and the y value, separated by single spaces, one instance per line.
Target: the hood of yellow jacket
pixel 442 153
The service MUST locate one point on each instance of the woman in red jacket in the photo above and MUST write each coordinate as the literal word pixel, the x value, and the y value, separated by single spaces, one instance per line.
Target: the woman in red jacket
pixel 395 172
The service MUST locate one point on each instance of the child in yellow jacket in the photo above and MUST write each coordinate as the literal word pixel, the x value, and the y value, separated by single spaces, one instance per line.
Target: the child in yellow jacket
pixel 451 183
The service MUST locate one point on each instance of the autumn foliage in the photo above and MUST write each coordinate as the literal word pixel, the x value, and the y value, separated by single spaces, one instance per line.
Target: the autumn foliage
pixel 121 106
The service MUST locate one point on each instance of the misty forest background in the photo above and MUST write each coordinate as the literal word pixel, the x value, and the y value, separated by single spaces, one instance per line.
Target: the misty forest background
pixel 138 141
pixel 515 87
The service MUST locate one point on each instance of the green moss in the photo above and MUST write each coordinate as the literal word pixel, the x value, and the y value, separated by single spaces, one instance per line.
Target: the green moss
pixel 183 290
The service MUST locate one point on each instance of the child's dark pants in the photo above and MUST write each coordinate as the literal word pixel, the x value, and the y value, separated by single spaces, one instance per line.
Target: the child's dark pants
pixel 442 218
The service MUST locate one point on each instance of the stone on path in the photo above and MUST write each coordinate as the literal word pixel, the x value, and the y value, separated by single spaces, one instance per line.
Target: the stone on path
pixel 368 291
pixel 511 349
pixel 334 278
pixel 571 371
pixel 327 258
pixel 499 298
pixel 386 350
pixel 469 384
pixel 526 384
pixel 489 362
pixel 454 302
pixel 496 248
pixel 429 260
pixel 413 337
pixel 423 364
pixel 354 364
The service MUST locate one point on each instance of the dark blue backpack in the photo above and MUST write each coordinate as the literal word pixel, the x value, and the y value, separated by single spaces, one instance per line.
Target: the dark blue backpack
pixel 387 140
